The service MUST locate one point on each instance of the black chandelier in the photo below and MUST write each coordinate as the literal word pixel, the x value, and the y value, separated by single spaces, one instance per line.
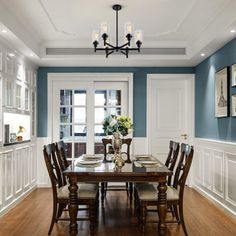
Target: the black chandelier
pixel 125 48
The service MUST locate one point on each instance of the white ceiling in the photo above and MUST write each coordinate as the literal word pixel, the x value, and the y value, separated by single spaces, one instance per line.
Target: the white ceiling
pixel 197 25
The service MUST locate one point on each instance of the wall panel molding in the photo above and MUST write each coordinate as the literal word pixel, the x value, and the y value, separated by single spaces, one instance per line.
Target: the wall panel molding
pixel 215 172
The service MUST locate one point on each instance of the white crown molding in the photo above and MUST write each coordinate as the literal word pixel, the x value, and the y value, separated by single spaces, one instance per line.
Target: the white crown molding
pixel 18 29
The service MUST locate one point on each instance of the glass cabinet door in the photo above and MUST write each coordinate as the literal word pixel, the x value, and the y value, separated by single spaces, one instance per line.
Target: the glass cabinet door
pixel 18 96
pixel 8 93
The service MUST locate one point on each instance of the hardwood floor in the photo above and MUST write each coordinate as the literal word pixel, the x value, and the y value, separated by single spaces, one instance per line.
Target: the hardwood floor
pixel 32 218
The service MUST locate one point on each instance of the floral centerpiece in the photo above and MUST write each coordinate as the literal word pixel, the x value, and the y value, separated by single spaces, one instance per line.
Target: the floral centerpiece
pixel 117 124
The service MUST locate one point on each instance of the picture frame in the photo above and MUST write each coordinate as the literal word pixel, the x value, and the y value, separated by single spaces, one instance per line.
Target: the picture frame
pixel 233 106
pixel 222 100
pixel 233 75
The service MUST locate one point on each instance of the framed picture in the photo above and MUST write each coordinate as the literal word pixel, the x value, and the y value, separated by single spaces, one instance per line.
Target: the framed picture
pixel 233 74
pixel 233 102
pixel 222 93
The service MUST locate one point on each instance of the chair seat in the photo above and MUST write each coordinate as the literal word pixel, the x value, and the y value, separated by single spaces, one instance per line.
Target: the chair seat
pixel 85 191
pixel 148 192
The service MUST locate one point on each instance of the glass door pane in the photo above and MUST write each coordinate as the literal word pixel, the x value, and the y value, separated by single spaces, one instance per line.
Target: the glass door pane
pixel 73 121
pixel 107 101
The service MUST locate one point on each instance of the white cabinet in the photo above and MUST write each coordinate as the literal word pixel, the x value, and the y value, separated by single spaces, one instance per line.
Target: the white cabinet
pixel 33 164
pixel 17 99
pixel 8 176
pixel 1 180
pixel 17 173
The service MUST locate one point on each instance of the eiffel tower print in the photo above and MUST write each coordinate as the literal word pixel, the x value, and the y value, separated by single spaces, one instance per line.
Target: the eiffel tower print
pixel 222 101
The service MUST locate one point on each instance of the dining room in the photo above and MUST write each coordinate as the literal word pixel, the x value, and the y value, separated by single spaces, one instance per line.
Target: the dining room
pixel 117 117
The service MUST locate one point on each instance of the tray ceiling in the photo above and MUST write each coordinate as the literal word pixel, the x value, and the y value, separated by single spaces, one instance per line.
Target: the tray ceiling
pixel 194 26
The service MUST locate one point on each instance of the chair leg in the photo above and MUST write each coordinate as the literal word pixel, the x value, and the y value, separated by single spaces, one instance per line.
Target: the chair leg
pixel 181 213
pixel 143 218
pixel 92 217
pixel 54 213
pixel 127 188
pixel 176 213
pixel 106 186
pixel 131 192
pixel 60 209
pixel 102 192
pixel 172 211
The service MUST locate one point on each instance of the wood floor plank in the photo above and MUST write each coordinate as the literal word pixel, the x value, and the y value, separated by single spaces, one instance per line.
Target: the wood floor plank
pixel 32 217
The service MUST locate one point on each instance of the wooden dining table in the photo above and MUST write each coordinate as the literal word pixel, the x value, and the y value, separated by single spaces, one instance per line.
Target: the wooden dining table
pixel 130 172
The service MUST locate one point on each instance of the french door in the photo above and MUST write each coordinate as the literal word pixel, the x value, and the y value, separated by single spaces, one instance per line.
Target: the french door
pixel 79 109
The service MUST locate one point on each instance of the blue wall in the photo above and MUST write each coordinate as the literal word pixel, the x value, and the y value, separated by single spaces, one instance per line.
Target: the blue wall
pixel 206 125
pixel 140 86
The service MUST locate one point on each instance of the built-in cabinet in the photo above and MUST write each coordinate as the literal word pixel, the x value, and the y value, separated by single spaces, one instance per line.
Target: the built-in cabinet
pixel 17 173
pixel 18 160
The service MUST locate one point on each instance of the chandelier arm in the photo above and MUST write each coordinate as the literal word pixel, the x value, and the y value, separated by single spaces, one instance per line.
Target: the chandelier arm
pixel 108 44
pixel 124 45
pixel 109 53
pixel 129 49
pixel 125 53
pixel 105 49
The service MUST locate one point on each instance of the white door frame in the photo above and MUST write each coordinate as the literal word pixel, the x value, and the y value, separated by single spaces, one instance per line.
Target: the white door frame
pixel 86 77
pixel 150 78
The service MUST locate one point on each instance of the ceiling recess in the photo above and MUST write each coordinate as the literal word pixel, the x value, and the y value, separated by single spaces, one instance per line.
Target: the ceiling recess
pixel 90 51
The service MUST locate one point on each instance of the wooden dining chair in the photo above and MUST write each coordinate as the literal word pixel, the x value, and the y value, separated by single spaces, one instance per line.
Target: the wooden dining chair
pixel 61 146
pixel 172 158
pixel 108 150
pixel 87 193
pixel 147 193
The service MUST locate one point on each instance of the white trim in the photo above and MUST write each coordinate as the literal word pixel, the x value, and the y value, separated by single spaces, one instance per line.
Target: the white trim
pixel 215 201
pixel 86 77
pixel 213 141
pixel 151 77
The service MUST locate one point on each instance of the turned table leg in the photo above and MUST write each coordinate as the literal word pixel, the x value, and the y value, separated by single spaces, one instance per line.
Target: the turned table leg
pixel 162 206
pixel 73 205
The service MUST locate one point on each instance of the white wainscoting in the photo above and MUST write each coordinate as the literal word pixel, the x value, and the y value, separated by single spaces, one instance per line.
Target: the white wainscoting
pixel 42 174
pixel 215 172
pixel 17 174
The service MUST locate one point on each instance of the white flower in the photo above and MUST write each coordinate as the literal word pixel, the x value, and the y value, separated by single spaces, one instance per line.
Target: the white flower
pixel 113 122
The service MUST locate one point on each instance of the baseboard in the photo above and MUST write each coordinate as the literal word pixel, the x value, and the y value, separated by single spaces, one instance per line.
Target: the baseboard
pixel 7 208
pixel 43 185
pixel 215 201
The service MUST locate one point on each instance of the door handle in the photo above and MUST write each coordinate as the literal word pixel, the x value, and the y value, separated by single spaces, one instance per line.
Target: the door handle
pixel 184 136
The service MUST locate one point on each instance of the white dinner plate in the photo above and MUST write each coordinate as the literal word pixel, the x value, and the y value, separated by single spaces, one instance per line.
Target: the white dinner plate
pixel 92 156
pixel 148 162
pixel 90 162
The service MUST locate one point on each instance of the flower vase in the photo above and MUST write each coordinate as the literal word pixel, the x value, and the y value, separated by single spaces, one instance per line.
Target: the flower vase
pixel 116 144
